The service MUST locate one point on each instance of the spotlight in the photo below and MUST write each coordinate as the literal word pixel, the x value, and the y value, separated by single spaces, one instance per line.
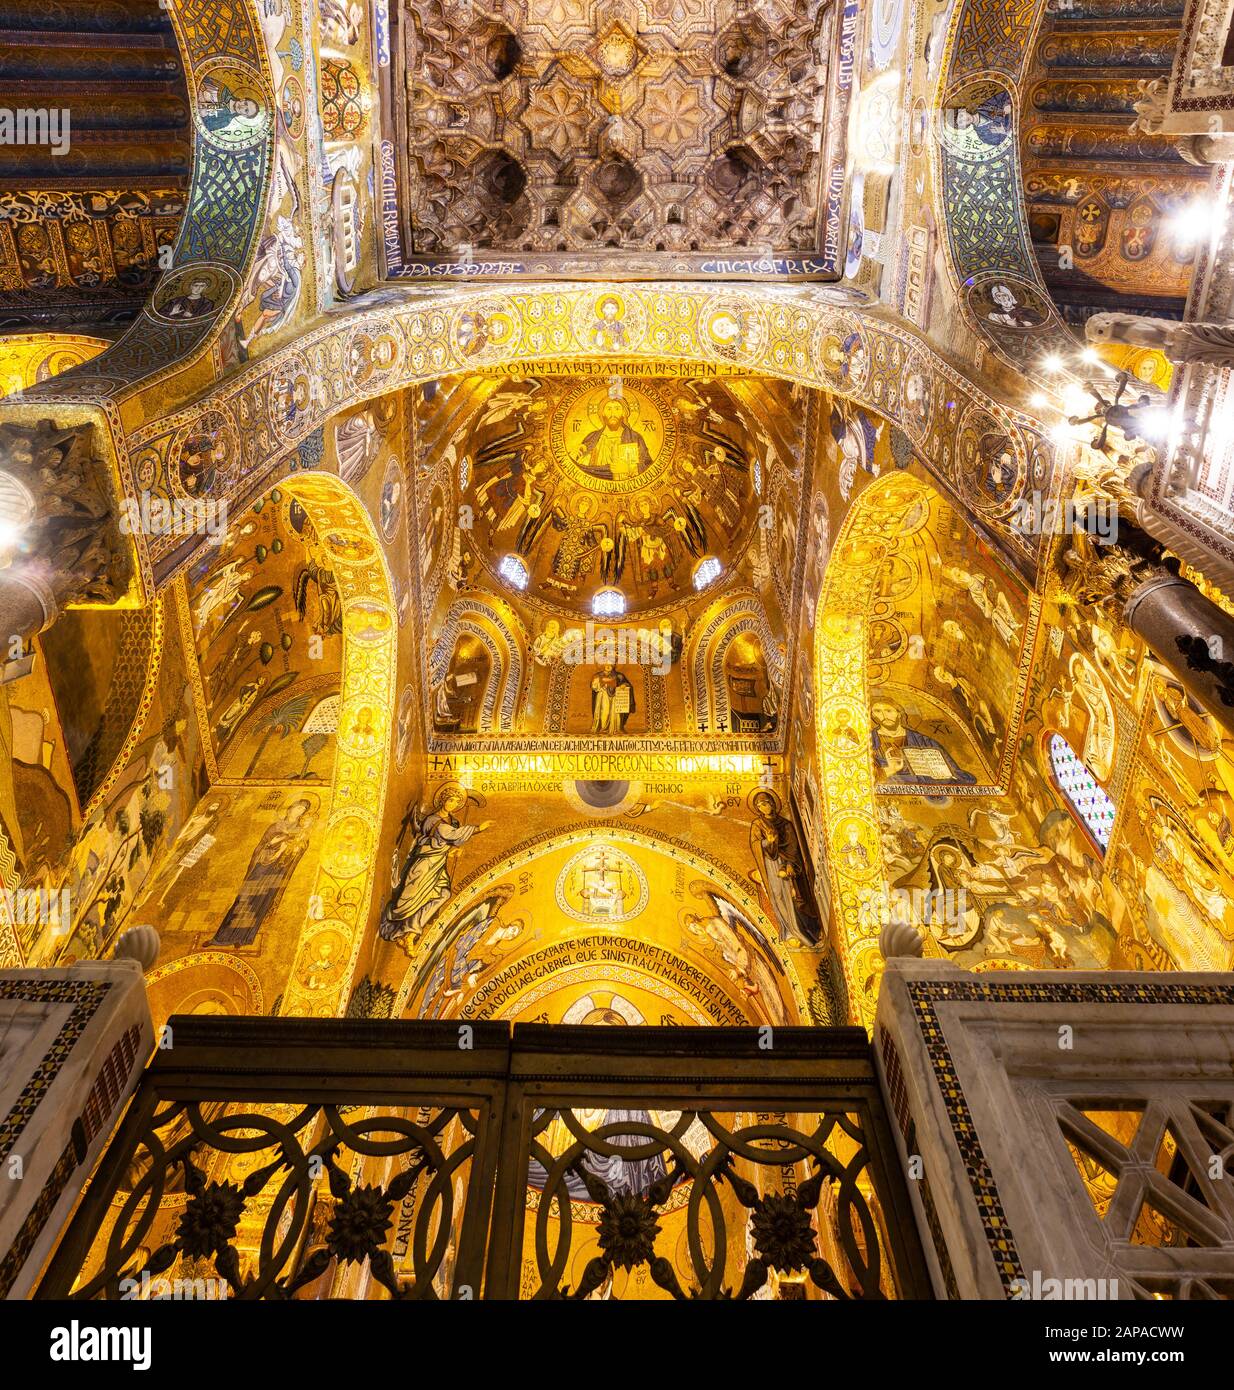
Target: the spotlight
pixel 1155 424
pixel 1053 363
pixel 1195 223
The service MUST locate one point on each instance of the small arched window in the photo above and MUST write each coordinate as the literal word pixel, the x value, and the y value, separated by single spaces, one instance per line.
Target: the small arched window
pixel 608 603
pixel 1087 798
pixel 707 571
pixel 513 571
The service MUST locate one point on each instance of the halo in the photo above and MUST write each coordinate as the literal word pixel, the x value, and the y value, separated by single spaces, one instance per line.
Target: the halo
pixel 688 910
pixel 763 791
pixel 596 406
pixel 644 408
pixel 446 787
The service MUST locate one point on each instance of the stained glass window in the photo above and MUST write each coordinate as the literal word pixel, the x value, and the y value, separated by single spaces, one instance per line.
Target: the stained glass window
pixel 1088 799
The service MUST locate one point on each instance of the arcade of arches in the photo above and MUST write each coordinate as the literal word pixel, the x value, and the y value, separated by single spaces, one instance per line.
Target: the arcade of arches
pixel 615 513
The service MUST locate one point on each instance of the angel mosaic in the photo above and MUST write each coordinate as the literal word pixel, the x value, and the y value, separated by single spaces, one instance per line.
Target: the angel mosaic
pixel 748 957
pixel 469 947
pixel 426 882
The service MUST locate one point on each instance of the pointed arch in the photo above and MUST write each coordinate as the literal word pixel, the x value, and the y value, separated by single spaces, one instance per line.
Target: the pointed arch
pixel 706 692
pixel 878 519
pixel 715 889
pixel 346 869
pixel 494 624
pixel 269 406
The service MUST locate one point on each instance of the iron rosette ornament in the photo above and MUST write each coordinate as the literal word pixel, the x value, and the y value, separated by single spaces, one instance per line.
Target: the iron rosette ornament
pixel 782 1233
pixel 192 1199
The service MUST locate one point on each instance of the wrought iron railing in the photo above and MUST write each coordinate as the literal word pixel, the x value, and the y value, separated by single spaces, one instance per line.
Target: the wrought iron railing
pixel 288 1158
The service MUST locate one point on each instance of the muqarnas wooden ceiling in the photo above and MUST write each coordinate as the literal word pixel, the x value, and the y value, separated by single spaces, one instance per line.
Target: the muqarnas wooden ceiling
pixel 561 125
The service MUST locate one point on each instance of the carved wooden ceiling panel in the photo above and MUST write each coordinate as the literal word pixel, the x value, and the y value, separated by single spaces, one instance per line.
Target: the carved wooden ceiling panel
pixel 666 125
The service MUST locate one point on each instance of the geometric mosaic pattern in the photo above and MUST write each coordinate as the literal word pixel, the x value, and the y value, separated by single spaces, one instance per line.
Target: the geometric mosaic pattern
pixel 985 227
pixel 85 996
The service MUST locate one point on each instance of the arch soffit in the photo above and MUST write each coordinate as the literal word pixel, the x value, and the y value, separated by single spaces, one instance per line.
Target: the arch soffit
pixel 996 247
pixel 842 725
pixel 497 626
pixel 710 636
pixel 347 865
pixel 225 212
pixel 272 405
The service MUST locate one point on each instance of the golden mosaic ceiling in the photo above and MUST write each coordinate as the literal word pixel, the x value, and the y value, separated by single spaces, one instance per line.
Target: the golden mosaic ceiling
pixel 669 125
pixel 577 484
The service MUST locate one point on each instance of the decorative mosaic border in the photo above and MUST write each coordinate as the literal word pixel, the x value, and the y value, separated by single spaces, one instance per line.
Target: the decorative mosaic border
pixel 773 269
pixel 871 530
pixel 528 747
pixel 85 996
pixel 1207 15
pixel 980 203
pixel 359 784
pixel 897 1095
pixel 100 1104
pixel 510 673
pixel 806 335
pixel 926 994
pixel 36 1217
